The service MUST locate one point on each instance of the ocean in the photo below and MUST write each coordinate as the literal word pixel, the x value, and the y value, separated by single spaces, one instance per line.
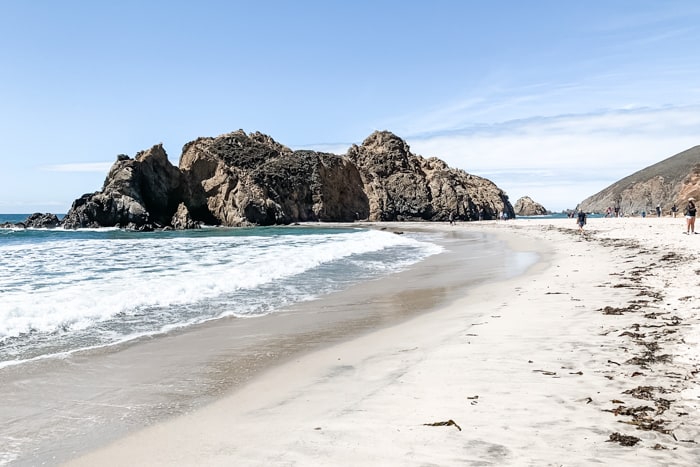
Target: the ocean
pixel 62 291
pixel 14 218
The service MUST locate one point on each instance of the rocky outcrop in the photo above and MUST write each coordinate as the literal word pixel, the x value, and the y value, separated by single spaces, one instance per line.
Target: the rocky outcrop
pixel 141 194
pixel 663 184
pixel 402 186
pixel 182 220
pixel 42 221
pixel 525 206
pixel 241 179
pixel 35 221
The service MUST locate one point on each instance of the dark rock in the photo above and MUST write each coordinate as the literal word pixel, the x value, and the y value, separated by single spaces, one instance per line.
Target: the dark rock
pixel 42 221
pixel 160 184
pixel 137 194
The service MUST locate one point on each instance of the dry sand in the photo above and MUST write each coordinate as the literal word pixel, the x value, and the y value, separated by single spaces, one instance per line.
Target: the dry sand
pixel 593 349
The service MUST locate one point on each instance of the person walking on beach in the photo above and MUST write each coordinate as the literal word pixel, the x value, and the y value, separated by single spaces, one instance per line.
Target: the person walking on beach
pixel 581 220
pixel 658 210
pixel 674 209
pixel 690 212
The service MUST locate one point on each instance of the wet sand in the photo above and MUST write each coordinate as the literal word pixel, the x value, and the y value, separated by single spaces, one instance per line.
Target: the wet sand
pixel 56 410
pixel 591 358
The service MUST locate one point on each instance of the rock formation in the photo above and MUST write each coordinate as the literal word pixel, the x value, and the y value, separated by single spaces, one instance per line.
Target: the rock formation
pixel 241 179
pixel 525 206
pixel 42 221
pixel 402 186
pixel 663 184
pixel 37 221
pixel 140 194
pixel 182 220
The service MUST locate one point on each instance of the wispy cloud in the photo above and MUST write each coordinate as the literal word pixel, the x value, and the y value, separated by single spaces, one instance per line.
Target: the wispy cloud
pixel 496 102
pixel 561 160
pixel 101 167
pixel 558 160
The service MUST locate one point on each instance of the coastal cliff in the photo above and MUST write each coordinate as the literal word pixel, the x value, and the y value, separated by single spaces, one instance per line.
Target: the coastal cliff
pixel 240 179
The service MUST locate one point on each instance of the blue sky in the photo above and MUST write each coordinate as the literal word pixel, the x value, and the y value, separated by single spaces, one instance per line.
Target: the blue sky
pixel 550 99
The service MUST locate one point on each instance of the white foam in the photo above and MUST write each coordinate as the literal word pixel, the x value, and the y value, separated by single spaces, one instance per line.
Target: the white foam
pixel 74 283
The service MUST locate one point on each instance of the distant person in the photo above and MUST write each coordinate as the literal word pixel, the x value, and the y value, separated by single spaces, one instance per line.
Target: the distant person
pixel 674 210
pixel 658 210
pixel 452 217
pixel 617 211
pixel 690 212
pixel 581 220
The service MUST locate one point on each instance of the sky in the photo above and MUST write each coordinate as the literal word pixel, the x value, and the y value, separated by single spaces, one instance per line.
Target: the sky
pixel 554 100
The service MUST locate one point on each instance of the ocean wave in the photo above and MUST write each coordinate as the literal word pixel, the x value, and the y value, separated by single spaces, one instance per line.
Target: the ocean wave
pixel 83 291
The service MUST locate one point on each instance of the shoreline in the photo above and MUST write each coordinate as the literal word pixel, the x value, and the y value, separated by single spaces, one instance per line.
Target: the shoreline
pixel 590 360
pixel 66 407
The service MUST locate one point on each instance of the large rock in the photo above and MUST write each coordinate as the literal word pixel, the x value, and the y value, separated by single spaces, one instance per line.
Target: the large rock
pixel 239 179
pixel 140 193
pixel 42 221
pixel 249 179
pixel 403 186
pixel 182 220
pixel 663 184
pixel 526 206
pixel 37 221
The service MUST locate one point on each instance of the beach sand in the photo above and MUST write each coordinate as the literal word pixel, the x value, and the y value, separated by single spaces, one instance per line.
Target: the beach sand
pixel 590 358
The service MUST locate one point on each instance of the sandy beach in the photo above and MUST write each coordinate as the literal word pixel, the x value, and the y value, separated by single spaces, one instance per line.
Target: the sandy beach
pixel 590 358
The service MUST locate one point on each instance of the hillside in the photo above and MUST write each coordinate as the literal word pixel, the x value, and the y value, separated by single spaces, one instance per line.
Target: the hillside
pixel 665 183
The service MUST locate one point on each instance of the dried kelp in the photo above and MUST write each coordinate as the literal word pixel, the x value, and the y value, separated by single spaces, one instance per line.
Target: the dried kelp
pixel 645 392
pixel 449 422
pixel 624 440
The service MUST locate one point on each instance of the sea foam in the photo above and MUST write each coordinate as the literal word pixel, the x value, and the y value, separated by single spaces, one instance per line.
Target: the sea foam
pixel 61 292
